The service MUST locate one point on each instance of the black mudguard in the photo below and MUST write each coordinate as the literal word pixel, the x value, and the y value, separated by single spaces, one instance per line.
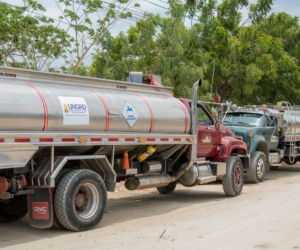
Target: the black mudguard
pixel 40 208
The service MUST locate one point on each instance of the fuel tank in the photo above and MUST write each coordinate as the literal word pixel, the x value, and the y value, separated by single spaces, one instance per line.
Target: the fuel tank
pixel 37 101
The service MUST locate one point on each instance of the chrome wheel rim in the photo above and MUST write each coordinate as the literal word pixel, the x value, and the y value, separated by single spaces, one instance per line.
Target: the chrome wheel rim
pixel 87 201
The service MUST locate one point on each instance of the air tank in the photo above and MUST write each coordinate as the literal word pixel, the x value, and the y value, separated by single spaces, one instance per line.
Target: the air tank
pixel 36 101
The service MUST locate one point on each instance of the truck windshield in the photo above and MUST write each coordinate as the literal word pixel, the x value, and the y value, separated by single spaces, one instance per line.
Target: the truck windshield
pixel 244 119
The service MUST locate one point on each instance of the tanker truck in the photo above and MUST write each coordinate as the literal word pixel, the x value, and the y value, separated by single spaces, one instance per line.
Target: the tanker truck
pixel 271 132
pixel 66 140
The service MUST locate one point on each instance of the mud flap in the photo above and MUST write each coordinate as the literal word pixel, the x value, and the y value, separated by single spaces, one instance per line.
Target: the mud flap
pixel 40 208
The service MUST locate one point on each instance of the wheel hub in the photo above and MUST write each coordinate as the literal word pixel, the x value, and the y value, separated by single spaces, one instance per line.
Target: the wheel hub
pixel 81 200
pixel 260 168
pixel 87 201
pixel 237 176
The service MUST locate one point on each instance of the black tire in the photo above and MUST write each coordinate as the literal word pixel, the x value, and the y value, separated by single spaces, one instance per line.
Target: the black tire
pixel 13 209
pixel 80 200
pixel 233 181
pixel 56 224
pixel 257 167
pixel 167 189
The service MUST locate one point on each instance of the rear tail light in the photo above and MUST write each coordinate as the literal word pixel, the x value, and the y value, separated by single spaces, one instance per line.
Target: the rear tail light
pixel 239 138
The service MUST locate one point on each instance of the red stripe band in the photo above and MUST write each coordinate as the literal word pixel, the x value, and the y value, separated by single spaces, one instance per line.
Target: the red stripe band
pixel 164 139
pixel 150 110
pixel 68 139
pixel 150 139
pixel 105 108
pixel 1 140
pixel 113 139
pixel 129 139
pixel 44 105
pixel 46 140
pixel 22 140
pixel 177 139
pixel 185 114
pixel 96 139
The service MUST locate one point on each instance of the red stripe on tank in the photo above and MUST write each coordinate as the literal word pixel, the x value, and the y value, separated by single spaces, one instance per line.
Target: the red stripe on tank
pixel 185 114
pixel 45 107
pixel 150 110
pixel 105 108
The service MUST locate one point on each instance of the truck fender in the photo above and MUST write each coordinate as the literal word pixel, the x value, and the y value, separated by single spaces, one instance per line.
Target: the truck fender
pixel 233 146
pixel 258 143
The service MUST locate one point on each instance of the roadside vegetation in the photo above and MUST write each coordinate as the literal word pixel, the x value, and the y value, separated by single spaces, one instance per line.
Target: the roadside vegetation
pixel 244 59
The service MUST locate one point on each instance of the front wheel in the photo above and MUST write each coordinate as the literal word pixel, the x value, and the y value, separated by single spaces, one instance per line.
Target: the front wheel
pixel 257 167
pixel 13 209
pixel 80 200
pixel 167 189
pixel 233 181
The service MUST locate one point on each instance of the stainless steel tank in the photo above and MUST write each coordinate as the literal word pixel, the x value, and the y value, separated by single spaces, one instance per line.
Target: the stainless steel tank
pixel 36 101
pixel 291 121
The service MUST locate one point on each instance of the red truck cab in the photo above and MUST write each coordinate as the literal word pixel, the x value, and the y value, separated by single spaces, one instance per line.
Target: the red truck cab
pixel 215 142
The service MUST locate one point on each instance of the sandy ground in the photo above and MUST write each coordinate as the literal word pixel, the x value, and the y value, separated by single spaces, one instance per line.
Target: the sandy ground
pixel 264 216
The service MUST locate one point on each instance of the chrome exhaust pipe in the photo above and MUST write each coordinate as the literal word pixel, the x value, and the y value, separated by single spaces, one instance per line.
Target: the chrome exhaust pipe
pixel 148 181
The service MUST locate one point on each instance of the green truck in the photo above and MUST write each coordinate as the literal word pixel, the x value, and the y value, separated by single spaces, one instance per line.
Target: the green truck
pixel 272 135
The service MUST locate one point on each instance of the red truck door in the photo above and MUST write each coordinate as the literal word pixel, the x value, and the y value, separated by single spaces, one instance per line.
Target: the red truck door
pixel 209 136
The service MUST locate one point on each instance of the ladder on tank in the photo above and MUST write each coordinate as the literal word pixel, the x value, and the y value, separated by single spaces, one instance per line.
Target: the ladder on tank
pixel 294 149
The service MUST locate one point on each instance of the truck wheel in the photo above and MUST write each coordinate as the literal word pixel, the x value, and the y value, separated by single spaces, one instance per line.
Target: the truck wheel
pixel 167 189
pixel 61 174
pixel 233 181
pixel 257 168
pixel 13 209
pixel 80 200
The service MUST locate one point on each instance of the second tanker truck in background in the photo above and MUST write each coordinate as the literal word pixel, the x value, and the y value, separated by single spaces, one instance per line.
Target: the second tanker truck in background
pixel 271 132
pixel 66 140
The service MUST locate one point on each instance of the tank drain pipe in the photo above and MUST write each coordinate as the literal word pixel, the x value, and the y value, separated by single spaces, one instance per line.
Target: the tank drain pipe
pixel 193 132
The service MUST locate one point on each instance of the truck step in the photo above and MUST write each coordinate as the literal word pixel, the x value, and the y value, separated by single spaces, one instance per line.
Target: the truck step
pixel 206 179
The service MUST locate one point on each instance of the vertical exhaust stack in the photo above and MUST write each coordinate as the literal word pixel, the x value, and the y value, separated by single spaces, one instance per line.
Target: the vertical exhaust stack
pixel 194 118
pixel 193 131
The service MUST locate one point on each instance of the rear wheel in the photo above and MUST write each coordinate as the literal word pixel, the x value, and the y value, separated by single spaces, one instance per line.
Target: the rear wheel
pixel 233 181
pixel 80 200
pixel 56 224
pixel 257 167
pixel 13 209
pixel 167 189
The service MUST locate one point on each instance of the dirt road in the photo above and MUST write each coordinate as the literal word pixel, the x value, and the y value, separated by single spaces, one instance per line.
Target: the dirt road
pixel 264 216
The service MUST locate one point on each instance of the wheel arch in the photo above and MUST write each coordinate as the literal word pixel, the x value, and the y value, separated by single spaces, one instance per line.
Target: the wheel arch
pixel 262 147
pixel 45 175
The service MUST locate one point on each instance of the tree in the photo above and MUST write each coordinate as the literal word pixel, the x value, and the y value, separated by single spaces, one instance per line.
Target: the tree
pixel 156 45
pixel 28 40
pixel 88 21
pixel 252 62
